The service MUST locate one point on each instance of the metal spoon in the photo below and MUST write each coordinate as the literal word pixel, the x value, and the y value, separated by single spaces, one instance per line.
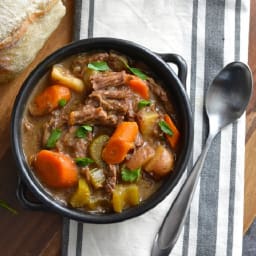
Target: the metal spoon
pixel 226 100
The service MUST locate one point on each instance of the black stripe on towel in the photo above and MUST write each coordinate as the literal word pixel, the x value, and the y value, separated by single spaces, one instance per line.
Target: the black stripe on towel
pixel 65 234
pixel 192 101
pixel 209 183
pixel 234 139
pixel 91 19
pixel 79 239
pixel 77 19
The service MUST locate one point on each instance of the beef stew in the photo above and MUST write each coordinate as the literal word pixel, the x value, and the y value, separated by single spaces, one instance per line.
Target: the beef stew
pixel 100 132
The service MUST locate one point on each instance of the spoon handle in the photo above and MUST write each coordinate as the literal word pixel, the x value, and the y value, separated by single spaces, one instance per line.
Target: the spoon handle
pixel 175 218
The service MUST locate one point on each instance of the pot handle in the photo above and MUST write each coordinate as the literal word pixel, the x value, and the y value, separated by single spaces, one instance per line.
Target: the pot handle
pixel 21 193
pixel 179 62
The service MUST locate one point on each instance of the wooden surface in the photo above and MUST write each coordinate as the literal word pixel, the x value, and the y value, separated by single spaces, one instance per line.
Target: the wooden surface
pixel 40 232
pixel 250 153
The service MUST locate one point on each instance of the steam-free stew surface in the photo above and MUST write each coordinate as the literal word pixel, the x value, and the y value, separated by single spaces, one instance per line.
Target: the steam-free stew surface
pixel 100 133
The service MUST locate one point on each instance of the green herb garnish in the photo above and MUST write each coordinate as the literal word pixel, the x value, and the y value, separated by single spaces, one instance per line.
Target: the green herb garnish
pixel 83 161
pixel 130 175
pixel 165 128
pixel 7 207
pixel 62 102
pixel 144 103
pixel 82 131
pixel 53 138
pixel 98 66
pixel 137 72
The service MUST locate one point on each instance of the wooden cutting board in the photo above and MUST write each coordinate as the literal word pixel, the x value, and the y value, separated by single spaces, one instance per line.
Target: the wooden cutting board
pixel 48 240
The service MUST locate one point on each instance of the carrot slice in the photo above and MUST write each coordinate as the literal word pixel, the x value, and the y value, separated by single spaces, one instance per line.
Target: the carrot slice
pixel 174 139
pixel 116 150
pixel 140 87
pixel 49 99
pixel 56 170
pixel 120 142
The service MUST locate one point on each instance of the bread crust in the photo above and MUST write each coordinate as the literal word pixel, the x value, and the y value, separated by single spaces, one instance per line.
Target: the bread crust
pixel 31 34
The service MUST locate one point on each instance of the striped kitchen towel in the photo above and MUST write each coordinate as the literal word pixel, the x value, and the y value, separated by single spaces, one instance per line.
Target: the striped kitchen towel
pixel 208 34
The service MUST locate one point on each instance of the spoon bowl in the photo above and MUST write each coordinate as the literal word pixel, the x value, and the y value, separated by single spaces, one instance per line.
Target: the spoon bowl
pixel 226 100
pixel 229 94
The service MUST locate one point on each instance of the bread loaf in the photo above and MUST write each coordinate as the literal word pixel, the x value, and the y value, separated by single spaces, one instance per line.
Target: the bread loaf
pixel 25 25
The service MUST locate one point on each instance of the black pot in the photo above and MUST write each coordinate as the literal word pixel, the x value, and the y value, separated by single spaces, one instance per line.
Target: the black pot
pixel 174 84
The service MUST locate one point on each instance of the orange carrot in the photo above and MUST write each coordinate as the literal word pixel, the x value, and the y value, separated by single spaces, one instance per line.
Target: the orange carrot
pixel 49 99
pixel 139 86
pixel 56 170
pixel 174 139
pixel 120 142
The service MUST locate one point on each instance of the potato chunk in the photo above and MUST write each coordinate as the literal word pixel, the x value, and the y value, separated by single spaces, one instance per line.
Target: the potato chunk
pixel 147 121
pixel 63 76
pixel 81 197
pixel 162 162
pixel 125 195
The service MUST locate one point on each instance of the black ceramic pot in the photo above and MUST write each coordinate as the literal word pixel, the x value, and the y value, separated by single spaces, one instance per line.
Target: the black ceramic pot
pixel 173 83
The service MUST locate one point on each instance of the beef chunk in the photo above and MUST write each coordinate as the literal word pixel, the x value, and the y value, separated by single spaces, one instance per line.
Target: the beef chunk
pixel 106 79
pixel 69 143
pixel 111 177
pixel 90 114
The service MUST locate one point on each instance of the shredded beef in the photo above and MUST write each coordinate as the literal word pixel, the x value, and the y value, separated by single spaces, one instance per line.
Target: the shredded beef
pixel 103 80
pixel 58 118
pixel 111 94
pixel 69 143
pixel 160 93
pixel 46 133
pixel 92 115
pixel 111 177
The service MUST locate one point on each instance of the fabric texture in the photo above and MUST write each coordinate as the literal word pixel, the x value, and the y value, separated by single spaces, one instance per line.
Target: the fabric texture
pixel 208 34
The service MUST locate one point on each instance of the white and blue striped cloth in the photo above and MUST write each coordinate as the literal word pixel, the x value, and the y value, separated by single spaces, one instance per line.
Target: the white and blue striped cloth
pixel 208 34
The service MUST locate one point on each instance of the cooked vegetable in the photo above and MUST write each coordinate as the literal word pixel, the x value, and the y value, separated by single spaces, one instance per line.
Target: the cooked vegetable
pixel 137 72
pixel 99 66
pixel 81 197
pixel 120 142
pixel 83 161
pixel 57 170
pixel 82 131
pixel 62 75
pixel 124 196
pixel 116 150
pixel 161 163
pixel 62 102
pixel 53 138
pixel 130 175
pixel 144 103
pixel 97 177
pixel 165 128
pixel 140 157
pixel 118 199
pixel 49 99
pixel 87 74
pixel 96 147
pixel 147 120
pixel 174 138
pixel 4 205
pixel 139 86
pixel 132 195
